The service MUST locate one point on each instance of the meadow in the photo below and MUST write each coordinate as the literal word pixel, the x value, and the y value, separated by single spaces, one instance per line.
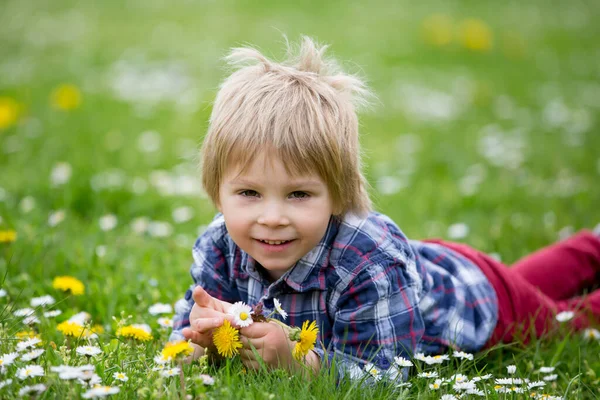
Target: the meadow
pixel 484 131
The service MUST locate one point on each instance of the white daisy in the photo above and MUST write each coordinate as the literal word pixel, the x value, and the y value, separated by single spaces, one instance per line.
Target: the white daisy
pixel 463 355
pixel 120 376
pixel 101 391
pixel 404 385
pixel 279 310
pixel 28 343
pixel 5 383
pixel 3 293
pixel 591 333
pixel 7 359
pixel 515 389
pixel 52 313
pixel 475 392
pixel 536 384
pixel 46 300
pixel 31 319
pixel 88 350
pixel 169 372
pixel 160 360
pixel 428 374
pixel 24 312
pixel 509 381
pixel 459 386
pixel 373 371
pixel 61 173
pixel 165 322
pixel 32 355
pixel 402 362
pixel 547 370
pixel 481 378
pixel 182 214
pixel 448 397
pixel 459 378
pixel 108 222
pixel 242 314
pixel 30 371
pixel 550 378
pixel 430 360
pixel 437 384
pixel 511 369
pixel 160 308
pixel 81 318
pixel 565 316
pixel 56 218
pixel 207 379
pixel 39 388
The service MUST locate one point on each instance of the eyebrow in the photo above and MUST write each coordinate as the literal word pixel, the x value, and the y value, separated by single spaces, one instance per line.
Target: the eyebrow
pixel 293 183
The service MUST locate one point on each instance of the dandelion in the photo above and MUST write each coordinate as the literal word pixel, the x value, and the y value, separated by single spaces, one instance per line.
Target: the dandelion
pixel 591 333
pixel 70 328
pixel 8 236
pixel 32 355
pixel 550 378
pixel 66 97
pixel 207 379
pixel 135 332
pixel 279 310
pixel 7 359
pixel 120 376
pixel 89 351
pixel 169 372
pixel 160 308
pixel 26 334
pixel 547 370
pixel 227 340
pixel 165 322
pixel 100 391
pixel 28 343
pixel 463 355
pixel 9 112
pixel 565 316
pixel 42 301
pixel 476 35
pixel 305 339
pixel 39 388
pixel 172 350
pixel 30 371
pixel 402 362
pixel 511 369
pixel 428 374
pixel 242 313
pixel 373 371
pixel 68 284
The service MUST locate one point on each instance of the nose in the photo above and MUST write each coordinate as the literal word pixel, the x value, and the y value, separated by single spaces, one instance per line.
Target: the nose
pixel 273 215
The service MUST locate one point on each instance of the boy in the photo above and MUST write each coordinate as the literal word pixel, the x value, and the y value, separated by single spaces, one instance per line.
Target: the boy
pixel 281 162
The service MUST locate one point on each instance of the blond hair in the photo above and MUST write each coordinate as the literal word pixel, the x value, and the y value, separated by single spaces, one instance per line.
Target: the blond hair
pixel 302 110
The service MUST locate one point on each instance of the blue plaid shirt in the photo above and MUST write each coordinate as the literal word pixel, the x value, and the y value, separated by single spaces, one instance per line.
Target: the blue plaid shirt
pixel 373 293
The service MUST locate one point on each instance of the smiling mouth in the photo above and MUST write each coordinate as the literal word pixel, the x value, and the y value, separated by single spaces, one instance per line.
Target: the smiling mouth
pixel 274 242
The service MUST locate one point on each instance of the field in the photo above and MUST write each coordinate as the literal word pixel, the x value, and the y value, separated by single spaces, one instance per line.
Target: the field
pixel 484 131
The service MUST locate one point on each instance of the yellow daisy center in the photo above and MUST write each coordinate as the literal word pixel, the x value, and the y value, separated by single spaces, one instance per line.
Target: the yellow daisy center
pixel 243 316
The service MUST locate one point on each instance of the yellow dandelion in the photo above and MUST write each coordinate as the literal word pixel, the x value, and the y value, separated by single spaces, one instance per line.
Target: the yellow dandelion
pixel 70 328
pixel 66 97
pixel 174 349
pixel 437 29
pixel 68 284
pixel 476 35
pixel 134 332
pixel 227 340
pixel 97 329
pixel 8 236
pixel 26 335
pixel 305 339
pixel 9 112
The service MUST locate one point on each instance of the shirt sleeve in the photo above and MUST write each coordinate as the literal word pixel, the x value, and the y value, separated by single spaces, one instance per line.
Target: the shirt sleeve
pixel 377 319
pixel 210 269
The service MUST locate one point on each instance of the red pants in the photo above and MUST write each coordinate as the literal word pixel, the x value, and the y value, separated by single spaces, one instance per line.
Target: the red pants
pixel 533 290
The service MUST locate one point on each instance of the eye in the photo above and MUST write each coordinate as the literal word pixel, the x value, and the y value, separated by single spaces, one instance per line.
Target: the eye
pixel 299 195
pixel 248 193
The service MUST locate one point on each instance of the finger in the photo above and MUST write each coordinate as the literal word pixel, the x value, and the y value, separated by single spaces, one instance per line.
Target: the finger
pixel 202 298
pixel 205 325
pixel 257 330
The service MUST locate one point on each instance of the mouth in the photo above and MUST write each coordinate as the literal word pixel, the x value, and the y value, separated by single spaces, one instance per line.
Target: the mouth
pixel 274 242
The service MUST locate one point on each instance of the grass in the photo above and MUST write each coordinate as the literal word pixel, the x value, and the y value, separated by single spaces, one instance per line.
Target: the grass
pixel 501 140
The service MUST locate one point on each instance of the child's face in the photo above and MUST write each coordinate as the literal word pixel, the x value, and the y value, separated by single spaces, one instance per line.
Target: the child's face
pixel 266 204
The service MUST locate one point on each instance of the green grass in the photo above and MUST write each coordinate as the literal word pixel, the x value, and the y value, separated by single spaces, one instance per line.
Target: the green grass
pixel 552 115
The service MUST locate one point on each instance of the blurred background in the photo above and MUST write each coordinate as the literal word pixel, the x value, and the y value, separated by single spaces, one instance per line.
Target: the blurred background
pixel 485 129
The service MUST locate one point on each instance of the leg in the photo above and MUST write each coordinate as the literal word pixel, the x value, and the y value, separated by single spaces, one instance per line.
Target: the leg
pixel 563 269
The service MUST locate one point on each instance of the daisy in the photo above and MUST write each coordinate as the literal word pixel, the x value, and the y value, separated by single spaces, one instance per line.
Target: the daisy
pixel 160 360
pixel 280 310
pixel 39 388
pixel 463 355
pixel 31 319
pixel 68 284
pixel 511 369
pixel 173 350
pixel 428 374
pixel 430 360
pixel 437 384
pixel 458 386
pixel 7 359
pixel 32 355
pixel 89 351
pixel 475 392
pixel 5 383
pixel 108 222
pixel 169 372
pixel 241 313
pixel 24 312
pixel 227 340
pixel 536 384
pixel 207 379
pixel 550 378
pixel 509 381
pixel 160 308
pixel 165 322
pixel 459 378
pixel 481 378
pixel 30 371
pixel 591 333
pixel 402 362
pixel 305 339
pixel 81 318
pixel 3 293
pixel 66 372
pixel 448 397
pixel 373 371
pixel 404 385
pixel 564 316
pixel 56 218
pixel 42 301
pixel 547 370
pixel 120 376
pixel 52 313
pixel 28 343
pixel 100 391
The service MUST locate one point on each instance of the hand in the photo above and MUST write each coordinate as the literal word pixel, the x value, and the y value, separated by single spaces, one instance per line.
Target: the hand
pixel 207 314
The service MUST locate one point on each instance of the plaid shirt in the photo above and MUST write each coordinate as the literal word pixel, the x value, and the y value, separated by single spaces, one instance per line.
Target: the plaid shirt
pixel 373 293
